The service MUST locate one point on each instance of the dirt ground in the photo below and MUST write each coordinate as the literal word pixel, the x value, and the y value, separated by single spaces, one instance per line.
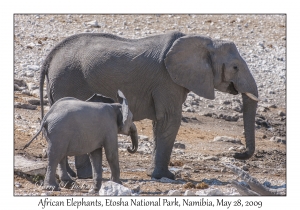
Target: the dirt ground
pixel 196 133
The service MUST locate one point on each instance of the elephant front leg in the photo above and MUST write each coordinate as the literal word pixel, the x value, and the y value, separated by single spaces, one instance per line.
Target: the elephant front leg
pixel 96 162
pixel 164 132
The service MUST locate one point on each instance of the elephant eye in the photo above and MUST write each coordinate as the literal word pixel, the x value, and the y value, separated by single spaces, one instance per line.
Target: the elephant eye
pixel 235 67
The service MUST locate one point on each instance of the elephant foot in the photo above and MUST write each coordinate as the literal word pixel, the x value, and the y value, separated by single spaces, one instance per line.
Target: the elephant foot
pixel 158 174
pixel 118 181
pixel 68 184
pixel 243 156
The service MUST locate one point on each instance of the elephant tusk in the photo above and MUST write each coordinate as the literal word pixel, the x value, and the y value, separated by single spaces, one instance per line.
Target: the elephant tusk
pixel 253 97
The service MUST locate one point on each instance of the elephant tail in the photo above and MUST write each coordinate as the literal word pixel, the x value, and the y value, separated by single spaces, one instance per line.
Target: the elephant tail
pixel 43 75
pixel 41 128
pixel 42 78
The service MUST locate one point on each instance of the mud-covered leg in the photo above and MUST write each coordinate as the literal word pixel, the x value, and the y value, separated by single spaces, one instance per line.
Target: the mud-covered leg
pixel 164 133
pixel 96 162
pixel 66 180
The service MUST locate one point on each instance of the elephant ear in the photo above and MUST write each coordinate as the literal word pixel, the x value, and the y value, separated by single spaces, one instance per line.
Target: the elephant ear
pixel 189 65
pixel 100 98
pixel 123 101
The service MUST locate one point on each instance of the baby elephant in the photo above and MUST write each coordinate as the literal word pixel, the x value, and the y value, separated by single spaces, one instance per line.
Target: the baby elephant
pixel 74 127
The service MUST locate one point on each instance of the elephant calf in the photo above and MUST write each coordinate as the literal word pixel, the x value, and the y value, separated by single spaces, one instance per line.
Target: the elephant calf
pixel 74 127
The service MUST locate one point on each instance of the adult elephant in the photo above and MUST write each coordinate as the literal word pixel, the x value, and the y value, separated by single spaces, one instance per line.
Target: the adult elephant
pixel 155 73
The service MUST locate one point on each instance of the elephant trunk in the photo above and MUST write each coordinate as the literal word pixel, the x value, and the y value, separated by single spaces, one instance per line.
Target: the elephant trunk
pixel 249 111
pixel 134 139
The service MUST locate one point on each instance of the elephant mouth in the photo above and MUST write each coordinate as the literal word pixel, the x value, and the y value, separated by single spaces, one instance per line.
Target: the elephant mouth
pixel 231 89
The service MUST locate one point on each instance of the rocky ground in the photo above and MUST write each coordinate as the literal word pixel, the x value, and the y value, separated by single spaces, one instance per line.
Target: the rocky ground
pixel 197 158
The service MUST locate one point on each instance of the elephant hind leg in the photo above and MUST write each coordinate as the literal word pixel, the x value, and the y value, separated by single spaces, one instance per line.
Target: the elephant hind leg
pixel 50 182
pixel 66 180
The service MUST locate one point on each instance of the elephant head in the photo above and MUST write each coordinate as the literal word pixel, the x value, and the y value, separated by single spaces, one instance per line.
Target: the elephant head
pixel 201 64
pixel 126 126
pixel 125 123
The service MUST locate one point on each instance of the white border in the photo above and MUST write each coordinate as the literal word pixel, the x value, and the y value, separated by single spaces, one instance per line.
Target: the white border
pixel 154 6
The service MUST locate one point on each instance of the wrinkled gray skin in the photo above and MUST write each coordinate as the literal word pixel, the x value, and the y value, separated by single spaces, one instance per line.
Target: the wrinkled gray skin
pixel 156 73
pixel 75 127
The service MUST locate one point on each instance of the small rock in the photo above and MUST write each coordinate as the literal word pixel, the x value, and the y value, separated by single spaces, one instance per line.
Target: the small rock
pixel 33 101
pixel 237 109
pixel 26 92
pixel 165 180
pixel 136 189
pixel 29 74
pixel 174 192
pixel 281 113
pixel 269 106
pixel 189 109
pixel 45 194
pixel 187 167
pixel 232 149
pixel 44 153
pixel 223 170
pixel 215 192
pixel 36 93
pixel 245 168
pixel 24 106
pixel 226 102
pixel 18 88
pixel 29 167
pixel 213 158
pixel 143 138
pixel 179 145
pixel 30 45
pixel 18 185
pixel 189 193
pixel 263 123
pixel 210 106
pixel 33 67
pixel 264 136
pixel 278 139
pixel 271 92
pixel 31 86
pixel 241 148
pixel 227 139
pixel 261 109
pixel 114 189
pixel 93 23
pixel 20 82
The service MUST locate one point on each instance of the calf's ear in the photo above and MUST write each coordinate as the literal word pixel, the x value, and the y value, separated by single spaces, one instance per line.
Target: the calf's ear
pixel 123 101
